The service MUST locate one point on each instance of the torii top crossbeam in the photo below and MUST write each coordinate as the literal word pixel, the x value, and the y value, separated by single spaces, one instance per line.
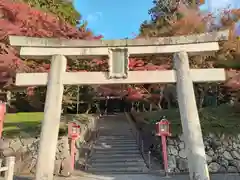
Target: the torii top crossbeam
pixel 45 48
pixel 22 41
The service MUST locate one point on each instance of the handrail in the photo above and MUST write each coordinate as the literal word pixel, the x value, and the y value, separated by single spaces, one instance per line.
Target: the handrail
pixel 86 162
pixel 89 153
pixel 140 142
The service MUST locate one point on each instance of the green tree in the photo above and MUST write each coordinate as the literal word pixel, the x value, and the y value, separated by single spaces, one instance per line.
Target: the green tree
pixel 63 9
pixel 163 14
pixel 172 18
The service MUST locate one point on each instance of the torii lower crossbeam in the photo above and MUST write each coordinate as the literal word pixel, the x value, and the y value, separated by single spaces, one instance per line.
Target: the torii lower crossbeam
pixel 134 77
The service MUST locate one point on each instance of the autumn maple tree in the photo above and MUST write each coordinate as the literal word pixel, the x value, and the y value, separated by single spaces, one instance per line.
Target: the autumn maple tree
pixel 40 19
pixel 43 18
pixel 22 19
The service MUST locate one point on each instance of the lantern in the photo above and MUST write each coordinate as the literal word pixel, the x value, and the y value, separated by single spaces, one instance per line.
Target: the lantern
pixel 73 130
pixel 73 133
pixel 163 127
pixel 163 130
pixel 2 114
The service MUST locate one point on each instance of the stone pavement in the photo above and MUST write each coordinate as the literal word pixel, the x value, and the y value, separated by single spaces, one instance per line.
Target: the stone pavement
pixel 136 177
pixel 149 177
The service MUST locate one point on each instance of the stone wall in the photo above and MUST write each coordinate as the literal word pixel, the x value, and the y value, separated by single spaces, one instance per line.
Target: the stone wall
pixel 26 150
pixel 84 143
pixel 222 153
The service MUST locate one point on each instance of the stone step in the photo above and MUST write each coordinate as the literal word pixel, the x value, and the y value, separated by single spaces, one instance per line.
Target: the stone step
pixel 117 146
pixel 121 169
pixel 117 134
pixel 122 135
pixel 115 130
pixel 128 142
pixel 121 156
pixel 117 140
pixel 121 148
pixel 115 151
pixel 110 122
pixel 118 149
pixel 115 126
pixel 111 127
pixel 118 164
pixel 115 159
pixel 116 137
pixel 124 140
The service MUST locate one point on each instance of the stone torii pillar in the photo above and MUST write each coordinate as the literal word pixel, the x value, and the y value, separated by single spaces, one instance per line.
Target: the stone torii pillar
pixel 58 50
pixel 192 132
pixel 52 116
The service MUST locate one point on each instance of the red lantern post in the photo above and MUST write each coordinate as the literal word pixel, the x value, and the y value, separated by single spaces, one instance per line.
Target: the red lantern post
pixel 73 134
pixel 163 130
pixel 2 115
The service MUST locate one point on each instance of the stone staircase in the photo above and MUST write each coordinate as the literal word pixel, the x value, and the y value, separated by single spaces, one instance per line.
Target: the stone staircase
pixel 115 150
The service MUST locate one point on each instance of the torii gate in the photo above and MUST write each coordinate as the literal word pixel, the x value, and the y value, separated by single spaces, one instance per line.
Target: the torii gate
pixel 118 51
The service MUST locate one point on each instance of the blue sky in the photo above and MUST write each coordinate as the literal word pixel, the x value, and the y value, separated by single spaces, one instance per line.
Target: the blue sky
pixel 122 18
pixel 114 19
